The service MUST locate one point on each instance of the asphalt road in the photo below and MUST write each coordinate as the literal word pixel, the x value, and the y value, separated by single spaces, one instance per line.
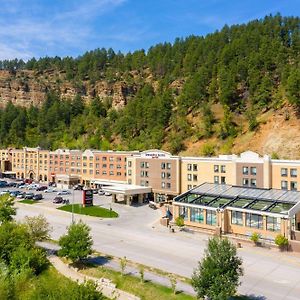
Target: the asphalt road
pixel 137 235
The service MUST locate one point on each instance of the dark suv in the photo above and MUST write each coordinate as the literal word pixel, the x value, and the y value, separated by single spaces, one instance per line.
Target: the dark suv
pixel 37 197
pixel 58 200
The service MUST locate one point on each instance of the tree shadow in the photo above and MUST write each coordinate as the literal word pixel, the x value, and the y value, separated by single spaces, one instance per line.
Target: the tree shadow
pixel 98 260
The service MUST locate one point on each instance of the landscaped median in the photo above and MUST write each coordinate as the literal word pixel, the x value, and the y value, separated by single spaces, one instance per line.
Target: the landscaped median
pixel 93 211
pixel 29 201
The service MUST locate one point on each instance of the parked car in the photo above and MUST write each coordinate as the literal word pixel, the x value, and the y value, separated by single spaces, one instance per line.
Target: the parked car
pixel 12 184
pixel 14 193
pixel 50 190
pixel 32 186
pixel 66 201
pixel 107 194
pixel 37 197
pixel 42 188
pixel 153 206
pixel 53 184
pixel 23 186
pixel 78 187
pixel 4 192
pixel 28 181
pixel 20 184
pixel 3 184
pixel 21 195
pixel 29 195
pixel 58 200
pixel 100 192
pixel 64 192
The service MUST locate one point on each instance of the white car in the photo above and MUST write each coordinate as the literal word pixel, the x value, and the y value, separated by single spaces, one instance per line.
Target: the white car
pixel 107 194
pixel 21 195
pixel 4 192
pixel 64 192
pixel 33 186
pixel 50 190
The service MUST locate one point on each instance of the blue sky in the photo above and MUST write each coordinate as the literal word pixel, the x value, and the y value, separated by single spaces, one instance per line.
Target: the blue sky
pixel 71 27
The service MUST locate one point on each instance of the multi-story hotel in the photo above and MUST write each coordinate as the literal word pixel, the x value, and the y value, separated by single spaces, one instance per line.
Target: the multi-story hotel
pixel 165 174
pixel 235 194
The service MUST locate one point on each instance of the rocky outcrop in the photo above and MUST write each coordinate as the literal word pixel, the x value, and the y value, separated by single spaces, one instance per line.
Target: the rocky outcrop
pixel 27 87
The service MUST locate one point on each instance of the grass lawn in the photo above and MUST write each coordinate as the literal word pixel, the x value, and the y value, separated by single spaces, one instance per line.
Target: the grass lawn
pixel 28 201
pixel 146 290
pixel 94 211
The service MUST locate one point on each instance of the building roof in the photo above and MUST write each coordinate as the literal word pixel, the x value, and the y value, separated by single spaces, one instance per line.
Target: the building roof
pixel 219 196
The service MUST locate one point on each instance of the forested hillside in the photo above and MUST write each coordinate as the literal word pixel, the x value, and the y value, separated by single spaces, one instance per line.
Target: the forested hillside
pixel 201 95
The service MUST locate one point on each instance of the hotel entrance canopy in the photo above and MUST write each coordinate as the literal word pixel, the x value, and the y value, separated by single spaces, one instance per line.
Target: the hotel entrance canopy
pixel 127 189
pixel 220 196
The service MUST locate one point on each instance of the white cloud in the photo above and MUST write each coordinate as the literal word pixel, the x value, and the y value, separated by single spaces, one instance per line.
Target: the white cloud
pixel 22 30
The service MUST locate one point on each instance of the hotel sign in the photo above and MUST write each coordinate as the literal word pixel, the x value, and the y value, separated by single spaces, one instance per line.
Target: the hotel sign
pixel 155 154
pixel 87 198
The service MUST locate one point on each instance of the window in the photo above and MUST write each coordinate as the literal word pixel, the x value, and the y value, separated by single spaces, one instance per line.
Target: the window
pixel 183 212
pixel 293 185
pixel 216 179
pixel 293 172
pixel 253 182
pixel 163 166
pixel 168 185
pixel 196 215
pixel 104 172
pixel 111 166
pixel 236 218
pixel 195 167
pixel 216 168
pixel 189 187
pixel 189 167
pixel 273 224
pixel 284 184
pixel 245 170
pixel 163 175
pixel 169 166
pixel 111 158
pixel 195 177
pixel 142 164
pixel 253 170
pixel 104 158
pixel 255 221
pixel 104 166
pixel 111 173
pixel 210 217
pixel 147 165
pixel 129 172
pixel 129 181
pixel 223 180
pixel 189 177
pixel 129 163
pixel 284 172
pixel 142 173
pixel 163 185
pixel 223 169
pixel 168 175
pixel 245 182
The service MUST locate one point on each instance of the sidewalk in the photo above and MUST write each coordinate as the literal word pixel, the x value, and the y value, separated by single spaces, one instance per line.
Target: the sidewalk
pixel 107 288
pixel 130 270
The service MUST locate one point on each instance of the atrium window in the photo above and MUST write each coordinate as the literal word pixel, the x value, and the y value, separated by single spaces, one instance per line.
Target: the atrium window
pixel 254 221
pixel 196 215
pixel 236 218
pixel 273 224
pixel 211 217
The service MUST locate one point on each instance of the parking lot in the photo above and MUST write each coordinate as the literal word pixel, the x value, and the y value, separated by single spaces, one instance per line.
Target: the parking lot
pixel 75 196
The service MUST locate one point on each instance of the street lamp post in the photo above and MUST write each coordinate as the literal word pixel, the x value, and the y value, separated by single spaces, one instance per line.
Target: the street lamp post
pixel 73 206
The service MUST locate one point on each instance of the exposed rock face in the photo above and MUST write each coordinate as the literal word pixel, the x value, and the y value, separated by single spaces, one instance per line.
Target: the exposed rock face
pixel 27 87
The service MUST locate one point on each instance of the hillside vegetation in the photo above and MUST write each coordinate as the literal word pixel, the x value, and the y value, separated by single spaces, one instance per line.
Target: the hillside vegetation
pixel 200 95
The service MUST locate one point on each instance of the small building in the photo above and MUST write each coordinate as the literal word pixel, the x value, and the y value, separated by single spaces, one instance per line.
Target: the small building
pixel 64 181
pixel 241 211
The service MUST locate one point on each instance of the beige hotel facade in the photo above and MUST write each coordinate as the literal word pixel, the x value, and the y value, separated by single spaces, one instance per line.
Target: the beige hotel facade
pixel 233 194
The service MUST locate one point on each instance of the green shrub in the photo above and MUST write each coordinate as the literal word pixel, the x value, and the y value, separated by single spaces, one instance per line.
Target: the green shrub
pixel 281 241
pixel 208 149
pixel 255 237
pixel 274 155
pixel 179 221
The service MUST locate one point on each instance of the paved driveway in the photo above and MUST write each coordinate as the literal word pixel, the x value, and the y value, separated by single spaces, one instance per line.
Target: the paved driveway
pixel 137 235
